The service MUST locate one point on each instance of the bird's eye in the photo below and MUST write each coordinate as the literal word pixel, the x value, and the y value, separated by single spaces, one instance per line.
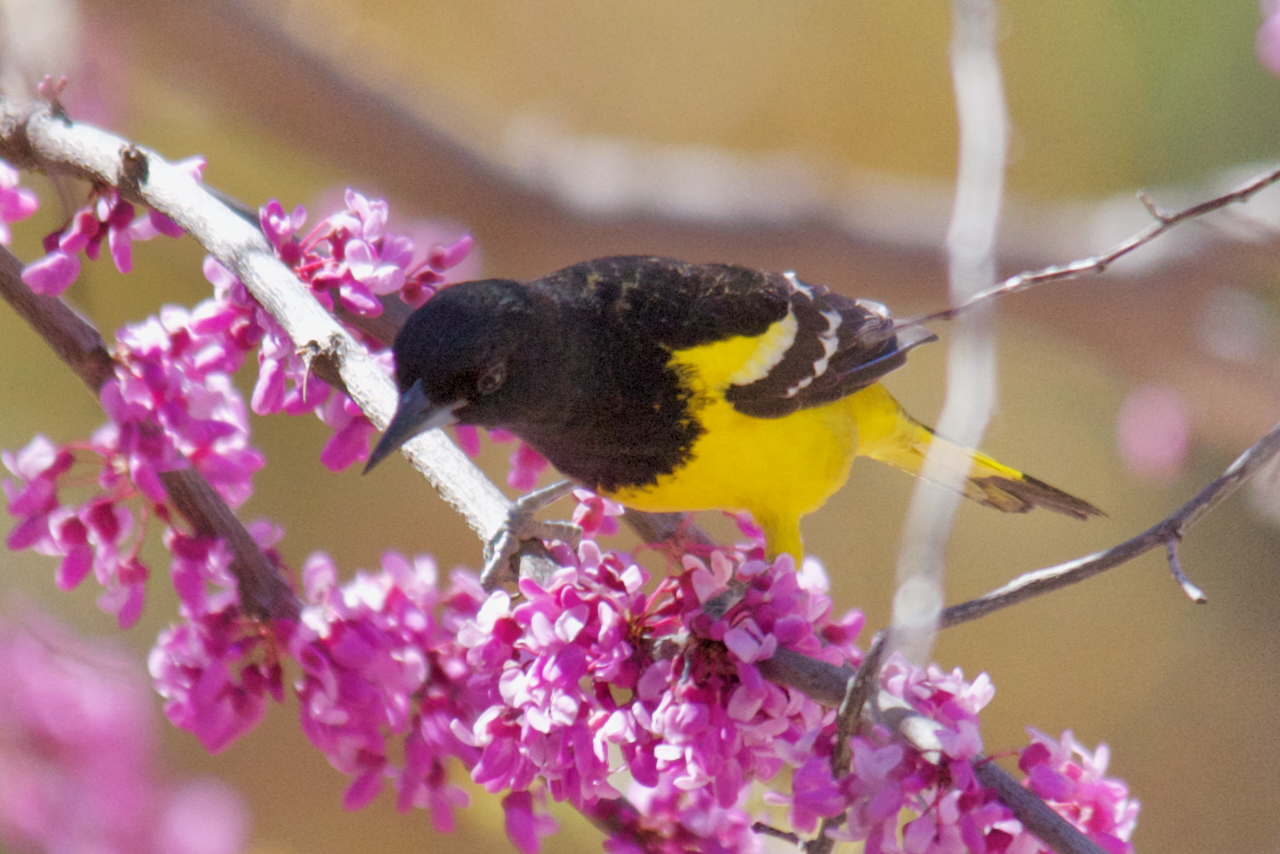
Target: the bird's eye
pixel 492 379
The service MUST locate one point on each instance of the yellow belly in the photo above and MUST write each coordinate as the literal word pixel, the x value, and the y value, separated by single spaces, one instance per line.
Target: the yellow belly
pixel 779 469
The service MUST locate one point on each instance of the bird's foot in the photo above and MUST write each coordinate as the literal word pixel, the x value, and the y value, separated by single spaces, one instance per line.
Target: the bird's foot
pixel 520 527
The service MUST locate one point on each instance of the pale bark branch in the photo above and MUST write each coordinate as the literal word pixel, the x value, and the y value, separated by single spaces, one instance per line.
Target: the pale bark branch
pixel 31 137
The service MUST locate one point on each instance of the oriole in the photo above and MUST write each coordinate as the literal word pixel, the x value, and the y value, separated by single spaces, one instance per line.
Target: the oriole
pixel 669 386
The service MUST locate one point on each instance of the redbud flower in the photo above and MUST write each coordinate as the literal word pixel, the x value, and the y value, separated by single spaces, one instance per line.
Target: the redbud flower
pixel 16 203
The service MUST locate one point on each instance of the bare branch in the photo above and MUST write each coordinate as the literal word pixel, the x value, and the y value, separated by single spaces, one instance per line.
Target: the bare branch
pixel 1099 263
pixel 1165 533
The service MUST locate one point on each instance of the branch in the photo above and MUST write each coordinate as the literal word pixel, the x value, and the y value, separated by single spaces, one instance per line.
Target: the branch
pixel 1099 263
pixel 32 137
pixel 1168 533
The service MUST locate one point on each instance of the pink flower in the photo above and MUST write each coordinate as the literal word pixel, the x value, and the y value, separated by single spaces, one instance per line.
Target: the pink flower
pixel 379 663
pixel 526 466
pixel 525 825
pixel 1153 432
pixel 1072 780
pixel 596 516
pixel 16 203
pixel 352 256
pixel 52 274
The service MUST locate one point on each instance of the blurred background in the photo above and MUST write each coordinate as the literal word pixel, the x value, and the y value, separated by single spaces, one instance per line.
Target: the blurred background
pixel 811 136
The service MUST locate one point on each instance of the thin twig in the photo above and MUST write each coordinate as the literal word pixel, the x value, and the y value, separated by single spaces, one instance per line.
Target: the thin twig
pixel 1099 263
pixel 1194 593
pixel 1167 531
pixel 857 692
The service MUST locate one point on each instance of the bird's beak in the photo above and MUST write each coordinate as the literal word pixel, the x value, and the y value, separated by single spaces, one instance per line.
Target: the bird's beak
pixel 414 414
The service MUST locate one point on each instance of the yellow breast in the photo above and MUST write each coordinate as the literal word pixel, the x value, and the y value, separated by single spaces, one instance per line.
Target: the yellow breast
pixel 777 468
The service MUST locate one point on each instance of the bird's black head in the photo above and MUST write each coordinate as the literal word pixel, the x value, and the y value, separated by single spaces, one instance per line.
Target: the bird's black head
pixel 462 357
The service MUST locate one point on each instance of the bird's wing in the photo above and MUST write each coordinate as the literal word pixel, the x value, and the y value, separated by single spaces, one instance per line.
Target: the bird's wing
pixel 828 346
pixel 810 346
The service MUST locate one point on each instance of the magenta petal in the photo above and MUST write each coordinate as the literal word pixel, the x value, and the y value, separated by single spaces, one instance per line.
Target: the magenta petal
pixel 121 249
pixel 268 392
pixel 131 607
pixel 348 446
pixel 1050 784
pixel 358 299
pixel 28 532
pixel 17 203
pixel 52 274
pixel 444 257
pixel 363 790
pixel 468 439
pixel 522 826
pixel 74 567
pixel 164 225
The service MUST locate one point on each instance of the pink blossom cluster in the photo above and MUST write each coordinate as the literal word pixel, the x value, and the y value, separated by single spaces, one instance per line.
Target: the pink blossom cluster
pixel 1073 781
pixel 77 770
pixel 170 404
pixel 217 667
pixel 602 684
pixel 106 216
pixel 380 660
pixel 350 258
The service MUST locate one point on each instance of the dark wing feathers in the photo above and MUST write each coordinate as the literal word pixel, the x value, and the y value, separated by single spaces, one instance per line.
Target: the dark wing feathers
pixel 840 346
pixel 670 304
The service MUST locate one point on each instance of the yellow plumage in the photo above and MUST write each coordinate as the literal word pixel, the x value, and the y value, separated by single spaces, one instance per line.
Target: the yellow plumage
pixel 782 469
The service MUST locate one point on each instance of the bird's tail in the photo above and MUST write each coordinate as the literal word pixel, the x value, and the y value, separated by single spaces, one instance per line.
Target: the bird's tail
pixel 888 434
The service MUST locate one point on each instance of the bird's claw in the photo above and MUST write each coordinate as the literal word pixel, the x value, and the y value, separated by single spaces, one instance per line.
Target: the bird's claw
pixel 520 526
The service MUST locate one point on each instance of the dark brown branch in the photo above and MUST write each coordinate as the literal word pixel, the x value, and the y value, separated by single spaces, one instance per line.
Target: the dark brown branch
pixel 1168 531
pixel 1035 814
pixel 1099 263
pixel 264 593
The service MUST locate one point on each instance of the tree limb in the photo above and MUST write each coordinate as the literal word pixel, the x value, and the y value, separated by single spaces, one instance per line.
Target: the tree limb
pixel 32 137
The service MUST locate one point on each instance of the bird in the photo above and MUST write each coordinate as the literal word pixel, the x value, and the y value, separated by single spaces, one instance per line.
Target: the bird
pixel 670 386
